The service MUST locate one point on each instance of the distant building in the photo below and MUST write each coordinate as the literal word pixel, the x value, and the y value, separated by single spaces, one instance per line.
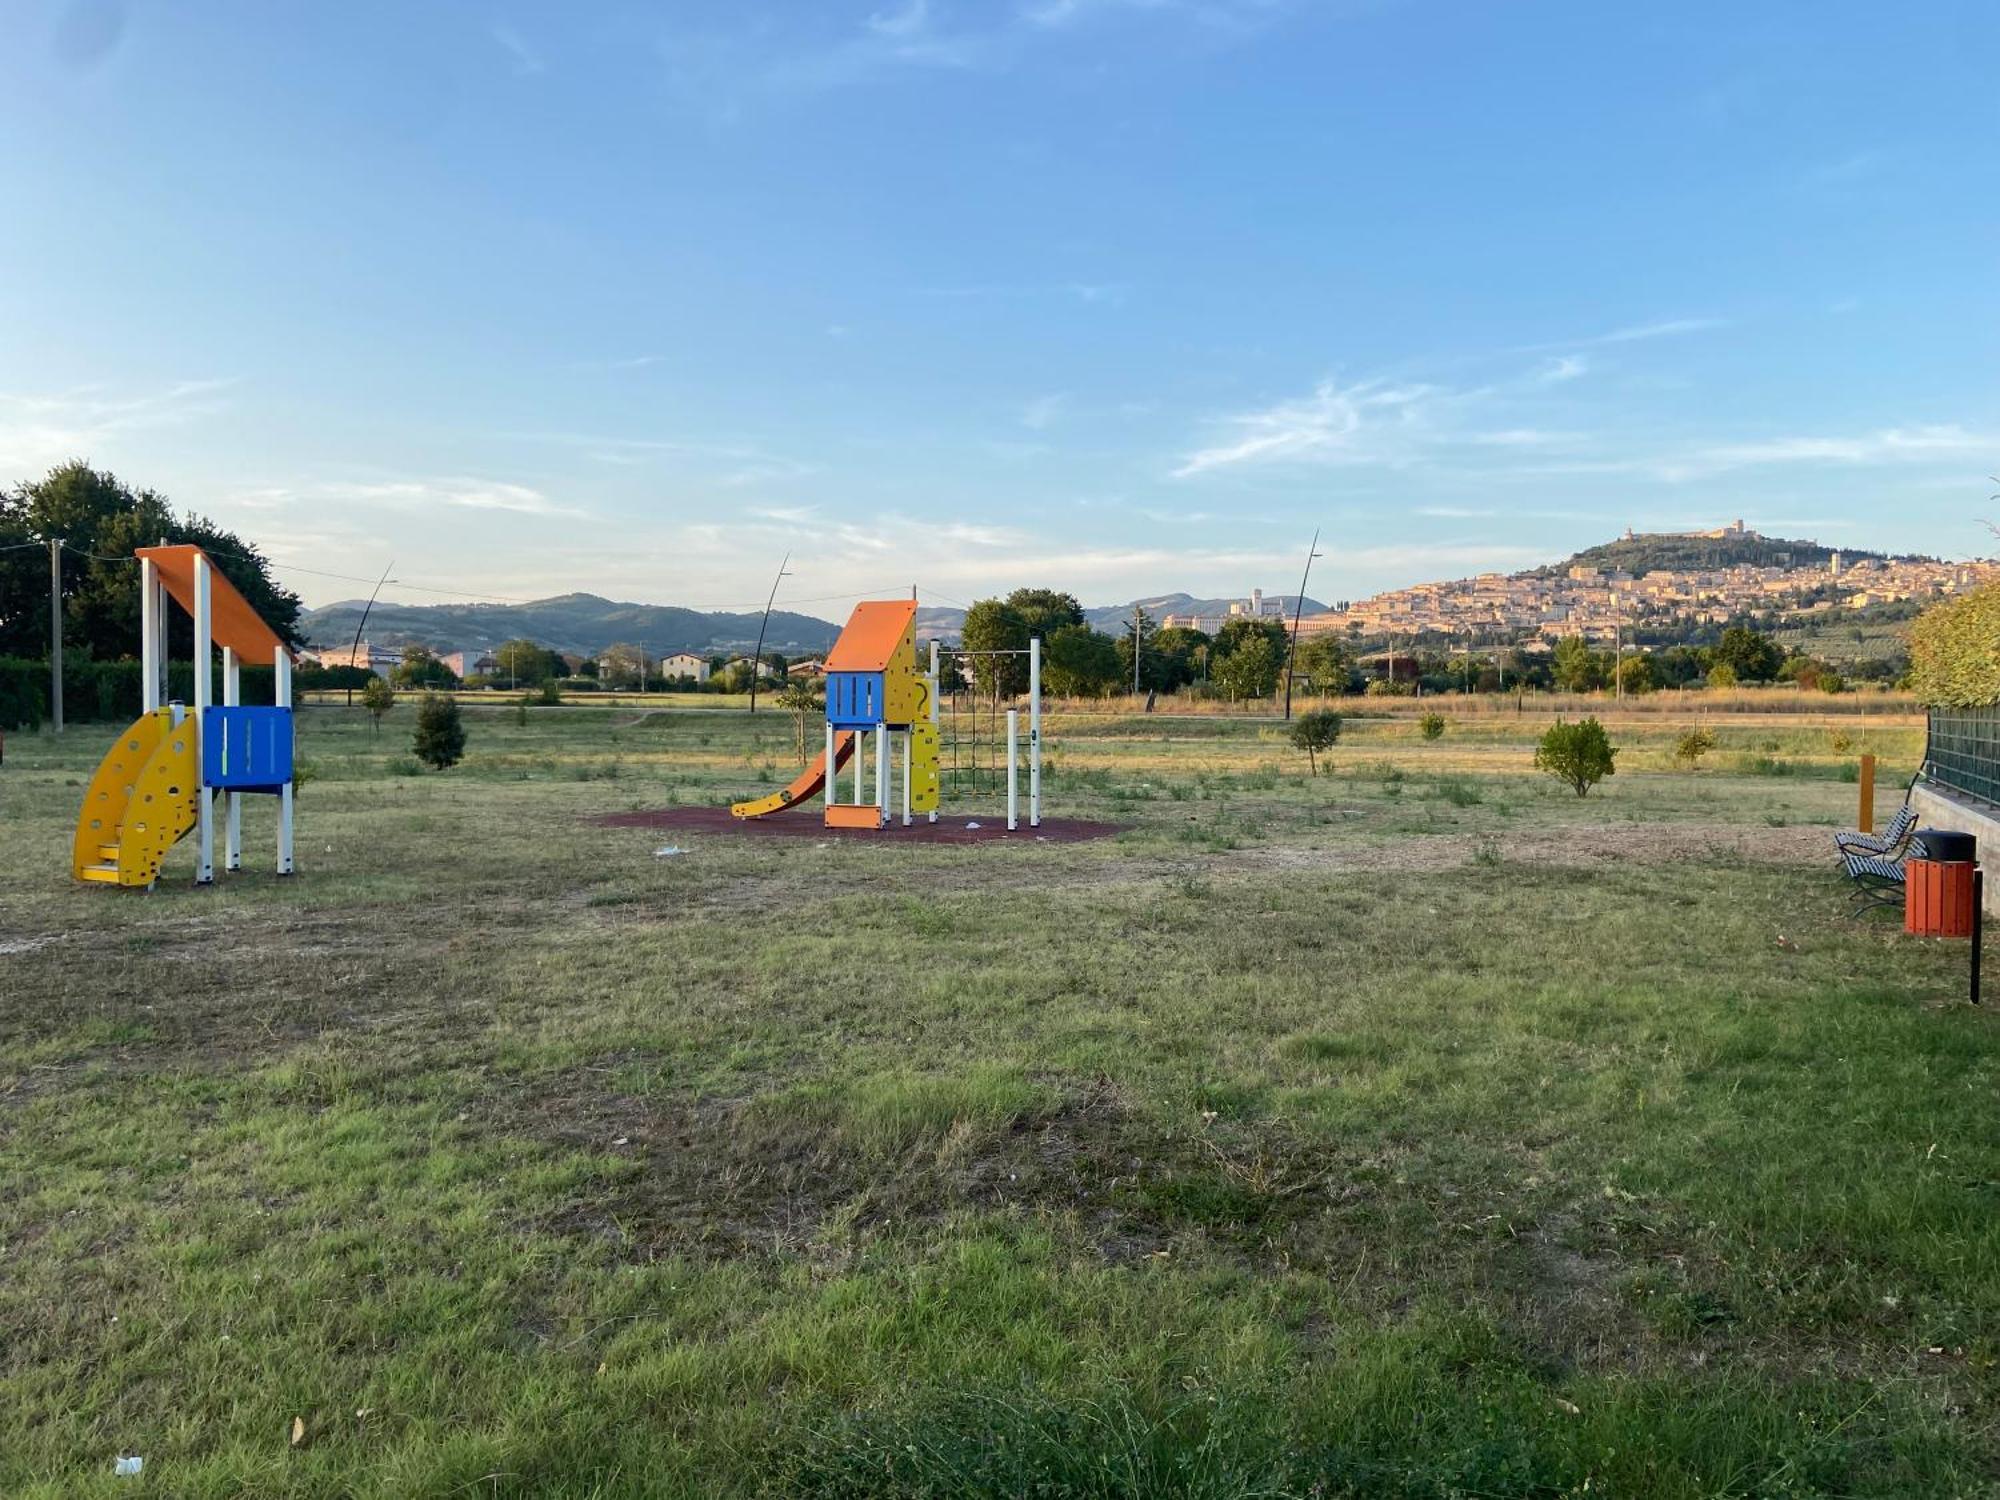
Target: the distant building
pixel 685 665
pixel 813 668
pixel 381 660
pixel 464 664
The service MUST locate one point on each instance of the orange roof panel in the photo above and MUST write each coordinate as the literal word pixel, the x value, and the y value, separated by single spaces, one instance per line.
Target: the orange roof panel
pixel 231 621
pixel 874 631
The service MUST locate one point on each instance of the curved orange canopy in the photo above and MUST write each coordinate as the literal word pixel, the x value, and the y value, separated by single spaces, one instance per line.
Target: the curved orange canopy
pixel 232 623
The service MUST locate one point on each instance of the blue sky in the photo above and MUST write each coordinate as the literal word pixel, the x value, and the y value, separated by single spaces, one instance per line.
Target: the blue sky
pixel 1116 295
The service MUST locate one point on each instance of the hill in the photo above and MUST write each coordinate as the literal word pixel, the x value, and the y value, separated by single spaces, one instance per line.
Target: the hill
pixel 1114 618
pixel 583 624
pixel 1649 551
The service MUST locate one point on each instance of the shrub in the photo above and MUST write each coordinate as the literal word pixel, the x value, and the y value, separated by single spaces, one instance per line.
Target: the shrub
pixel 1382 687
pixel 1955 651
pixel 1722 675
pixel 440 738
pixel 1432 726
pixel 548 693
pixel 1692 746
pixel 378 698
pixel 1314 732
pixel 1579 755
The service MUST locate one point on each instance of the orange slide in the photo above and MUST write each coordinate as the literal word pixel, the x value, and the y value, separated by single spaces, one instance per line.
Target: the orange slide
pixel 810 781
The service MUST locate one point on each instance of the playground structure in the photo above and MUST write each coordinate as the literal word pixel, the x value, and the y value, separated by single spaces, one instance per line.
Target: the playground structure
pixel 874 692
pixel 158 782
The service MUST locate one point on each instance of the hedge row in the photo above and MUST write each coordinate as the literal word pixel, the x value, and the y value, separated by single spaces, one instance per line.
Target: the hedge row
pixel 101 691
pixel 1955 651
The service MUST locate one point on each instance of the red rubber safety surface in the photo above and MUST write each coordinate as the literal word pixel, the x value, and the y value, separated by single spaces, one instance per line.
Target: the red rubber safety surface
pixel 803 822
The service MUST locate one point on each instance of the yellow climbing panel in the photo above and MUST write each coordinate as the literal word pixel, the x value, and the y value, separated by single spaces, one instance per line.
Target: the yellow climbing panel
pixel 143 798
pixel 923 767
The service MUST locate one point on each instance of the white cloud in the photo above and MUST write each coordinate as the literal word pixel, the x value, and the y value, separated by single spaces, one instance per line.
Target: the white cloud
pixel 1326 427
pixel 461 493
pixel 1041 413
pixel 526 60
pixel 39 431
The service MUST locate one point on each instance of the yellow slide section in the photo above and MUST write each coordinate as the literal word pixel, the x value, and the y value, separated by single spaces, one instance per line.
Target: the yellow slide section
pixel 141 801
pixel 810 781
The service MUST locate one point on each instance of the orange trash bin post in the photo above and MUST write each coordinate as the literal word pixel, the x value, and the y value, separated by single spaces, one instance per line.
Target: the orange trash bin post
pixel 1938 895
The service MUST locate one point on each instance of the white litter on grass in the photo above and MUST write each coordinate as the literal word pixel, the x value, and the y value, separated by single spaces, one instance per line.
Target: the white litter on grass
pixel 971 825
pixel 129 1466
pixel 668 851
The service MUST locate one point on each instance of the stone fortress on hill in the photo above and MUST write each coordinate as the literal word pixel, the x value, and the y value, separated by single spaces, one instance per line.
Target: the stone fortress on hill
pixel 1597 601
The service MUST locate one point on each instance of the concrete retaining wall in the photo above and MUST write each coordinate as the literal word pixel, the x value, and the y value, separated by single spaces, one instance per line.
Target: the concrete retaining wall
pixel 1941 809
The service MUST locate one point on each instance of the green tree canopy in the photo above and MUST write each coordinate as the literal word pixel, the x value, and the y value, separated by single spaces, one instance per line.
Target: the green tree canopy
pixel 1078 662
pixel 1045 611
pixel 524 663
pixel 1314 732
pixel 101 521
pixel 1249 671
pixel 1751 656
pixel 1575 667
pixel 1579 755
pixel 1238 632
pixel 1955 651
pixel 1324 664
pixel 1179 653
pixel 995 625
pixel 420 667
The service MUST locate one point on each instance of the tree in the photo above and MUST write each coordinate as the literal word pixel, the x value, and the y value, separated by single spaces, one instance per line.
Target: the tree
pixel 440 737
pixel 994 625
pixel 1078 662
pixel 523 663
pixel 1314 732
pixel 1431 726
pixel 1579 755
pixel 1325 663
pixel 101 521
pixel 1250 671
pixel 1955 651
pixel 1045 611
pixel 1576 668
pixel 420 667
pixel 1159 671
pixel 801 696
pixel 1177 655
pixel 1692 746
pixel 1722 675
pixel 1635 674
pixel 1239 631
pixel 378 698
pixel 1752 657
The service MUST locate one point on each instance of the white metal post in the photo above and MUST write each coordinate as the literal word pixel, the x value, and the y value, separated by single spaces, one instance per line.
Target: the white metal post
pixel 1013 769
pixel 909 765
pixel 860 764
pixel 204 693
pixel 150 635
pixel 882 759
pixel 282 696
pixel 832 791
pixel 1035 732
pixel 936 681
pixel 232 696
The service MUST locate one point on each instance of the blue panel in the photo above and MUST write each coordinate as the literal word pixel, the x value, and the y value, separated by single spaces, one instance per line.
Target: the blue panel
pixel 246 749
pixel 854 699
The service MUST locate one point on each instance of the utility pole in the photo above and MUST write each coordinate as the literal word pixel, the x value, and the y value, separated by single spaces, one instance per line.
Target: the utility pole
pixel 55 633
pixel 757 659
pixel 1298 612
pixel 1137 640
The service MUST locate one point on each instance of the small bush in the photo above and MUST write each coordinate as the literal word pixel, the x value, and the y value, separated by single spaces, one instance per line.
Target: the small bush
pixel 1459 793
pixel 440 737
pixel 1314 732
pixel 1841 741
pixel 1431 726
pixel 1692 746
pixel 1579 755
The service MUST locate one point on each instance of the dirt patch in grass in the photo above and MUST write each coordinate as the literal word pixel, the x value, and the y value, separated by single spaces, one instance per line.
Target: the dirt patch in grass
pixel 1587 845
pixel 802 822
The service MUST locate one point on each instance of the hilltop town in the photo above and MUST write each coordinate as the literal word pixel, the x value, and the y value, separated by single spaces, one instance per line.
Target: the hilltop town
pixel 1596 598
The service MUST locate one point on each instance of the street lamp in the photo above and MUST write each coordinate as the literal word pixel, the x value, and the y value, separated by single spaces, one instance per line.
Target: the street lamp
pixel 757 658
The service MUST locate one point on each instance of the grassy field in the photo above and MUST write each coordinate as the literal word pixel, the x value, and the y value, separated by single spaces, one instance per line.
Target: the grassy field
pixel 1416 1130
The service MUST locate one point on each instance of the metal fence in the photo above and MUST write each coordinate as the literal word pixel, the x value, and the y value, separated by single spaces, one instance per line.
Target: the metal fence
pixel 1964 753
